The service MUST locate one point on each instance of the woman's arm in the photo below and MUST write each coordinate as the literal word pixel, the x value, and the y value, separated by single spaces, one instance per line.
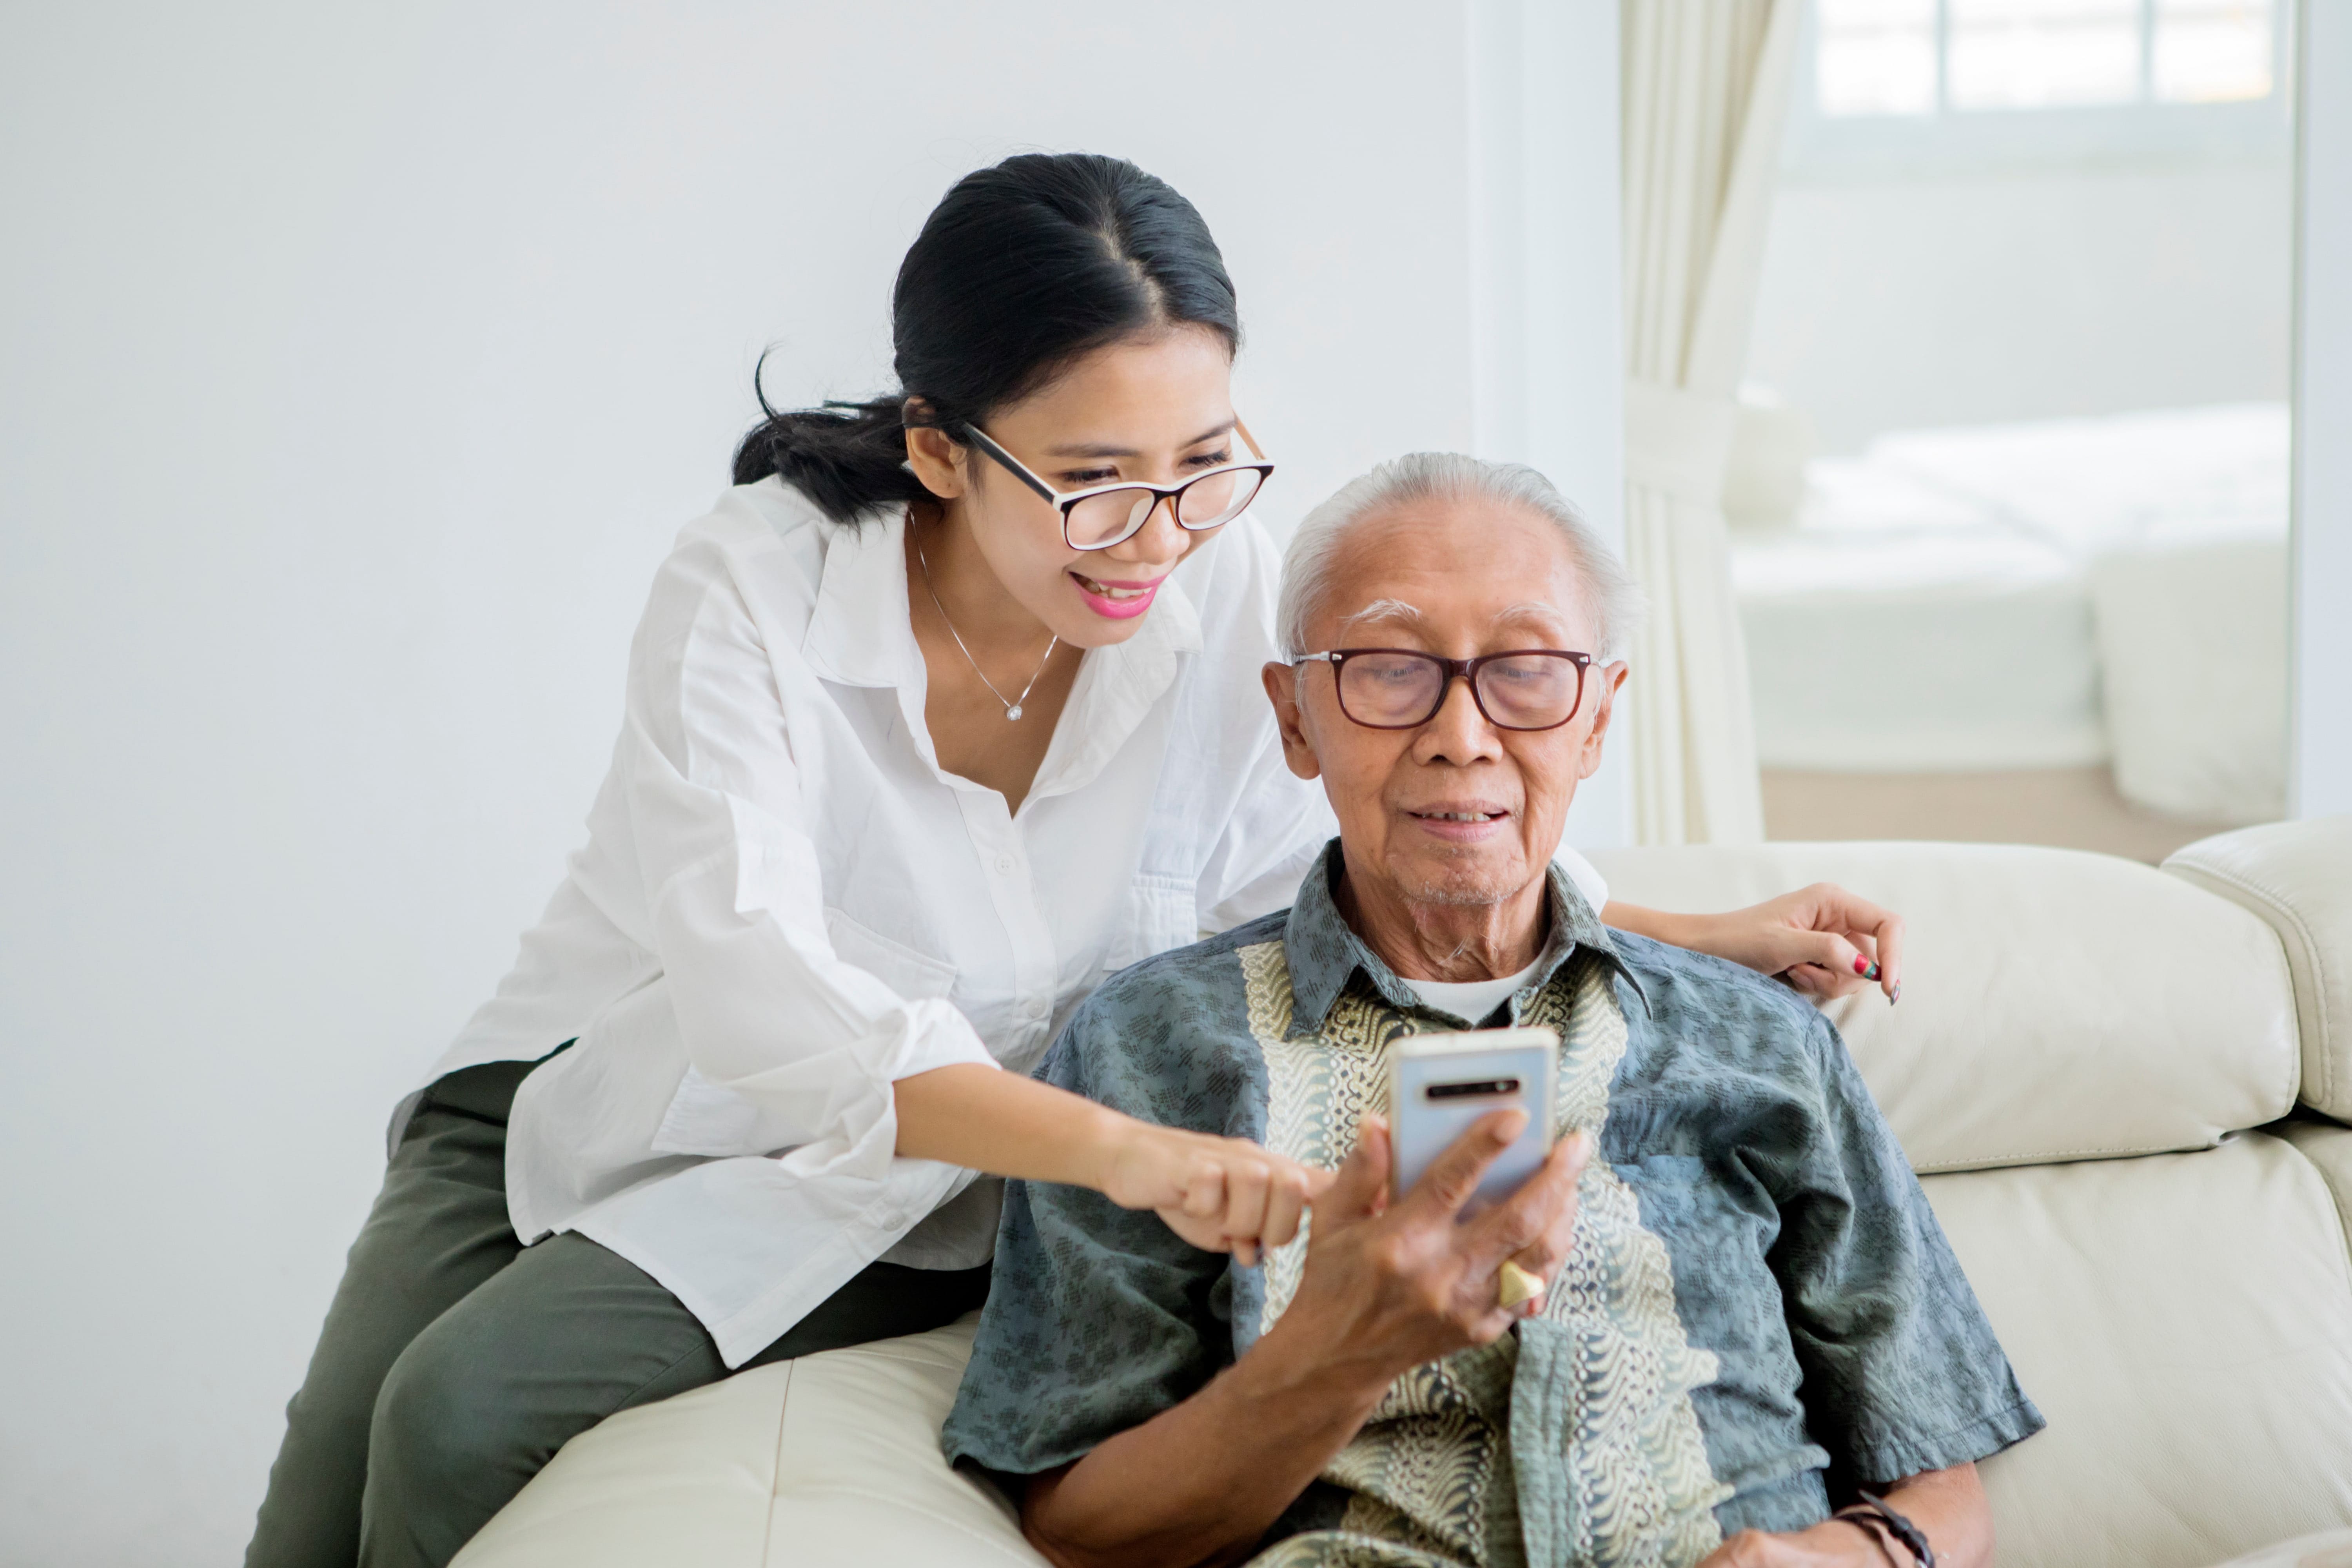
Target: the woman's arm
pixel 1219 1194
pixel 1822 940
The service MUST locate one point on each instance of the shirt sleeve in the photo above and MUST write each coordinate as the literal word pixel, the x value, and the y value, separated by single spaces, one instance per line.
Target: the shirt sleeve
pixel 1100 1318
pixel 766 1009
pixel 1902 1371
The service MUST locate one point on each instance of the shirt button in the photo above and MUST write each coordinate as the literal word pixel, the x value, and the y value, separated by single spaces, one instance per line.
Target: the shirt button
pixel 1035 1008
pixel 1004 864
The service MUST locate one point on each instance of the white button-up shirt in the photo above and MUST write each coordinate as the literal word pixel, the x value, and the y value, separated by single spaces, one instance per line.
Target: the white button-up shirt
pixel 785 904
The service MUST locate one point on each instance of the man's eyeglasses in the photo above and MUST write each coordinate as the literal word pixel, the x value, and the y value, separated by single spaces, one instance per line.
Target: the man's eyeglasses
pixel 1402 689
pixel 1104 515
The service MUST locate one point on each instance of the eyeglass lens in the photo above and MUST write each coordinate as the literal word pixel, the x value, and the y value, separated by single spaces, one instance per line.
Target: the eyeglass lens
pixel 1403 690
pixel 1213 499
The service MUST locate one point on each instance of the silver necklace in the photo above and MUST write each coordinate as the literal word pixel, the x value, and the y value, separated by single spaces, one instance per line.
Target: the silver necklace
pixel 1013 708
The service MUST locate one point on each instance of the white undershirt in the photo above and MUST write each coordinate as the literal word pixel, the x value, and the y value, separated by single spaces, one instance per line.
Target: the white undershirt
pixel 1471 999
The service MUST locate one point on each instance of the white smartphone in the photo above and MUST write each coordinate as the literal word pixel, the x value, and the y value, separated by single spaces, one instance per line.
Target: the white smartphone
pixel 1440 1084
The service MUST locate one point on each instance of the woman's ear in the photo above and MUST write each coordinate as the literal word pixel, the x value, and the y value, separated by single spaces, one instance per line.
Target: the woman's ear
pixel 938 459
pixel 1281 682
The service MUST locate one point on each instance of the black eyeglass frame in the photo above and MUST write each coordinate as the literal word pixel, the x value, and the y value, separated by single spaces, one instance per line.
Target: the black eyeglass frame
pixel 1066 502
pixel 1465 670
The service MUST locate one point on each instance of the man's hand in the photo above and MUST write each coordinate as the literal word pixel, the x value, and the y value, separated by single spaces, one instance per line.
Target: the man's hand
pixel 1389 1286
pixel 1223 1195
pixel 1829 1544
pixel 1948 1505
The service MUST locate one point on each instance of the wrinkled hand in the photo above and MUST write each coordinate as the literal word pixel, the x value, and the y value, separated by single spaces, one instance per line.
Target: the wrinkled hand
pixel 1828 1545
pixel 1822 940
pixel 1223 1195
pixel 1389 1286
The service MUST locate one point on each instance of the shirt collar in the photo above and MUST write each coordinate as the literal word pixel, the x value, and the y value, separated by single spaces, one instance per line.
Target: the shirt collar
pixel 860 634
pixel 1323 952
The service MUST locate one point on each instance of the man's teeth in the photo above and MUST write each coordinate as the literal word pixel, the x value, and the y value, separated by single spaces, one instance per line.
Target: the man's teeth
pixel 1459 815
pixel 1094 587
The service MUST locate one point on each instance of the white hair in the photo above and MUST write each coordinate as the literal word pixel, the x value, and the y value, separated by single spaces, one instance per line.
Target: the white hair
pixel 1612 602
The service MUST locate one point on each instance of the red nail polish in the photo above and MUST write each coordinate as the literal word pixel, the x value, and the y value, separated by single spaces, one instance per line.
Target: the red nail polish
pixel 1864 967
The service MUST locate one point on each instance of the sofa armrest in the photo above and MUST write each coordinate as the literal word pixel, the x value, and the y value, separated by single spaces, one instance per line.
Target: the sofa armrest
pixel 2297 876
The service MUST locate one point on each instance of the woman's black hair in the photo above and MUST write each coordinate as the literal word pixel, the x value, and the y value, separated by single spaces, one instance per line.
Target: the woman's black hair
pixel 1019 270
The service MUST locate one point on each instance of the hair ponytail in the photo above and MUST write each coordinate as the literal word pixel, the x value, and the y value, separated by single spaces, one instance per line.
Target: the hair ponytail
pixel 844 457
pixel 1020 269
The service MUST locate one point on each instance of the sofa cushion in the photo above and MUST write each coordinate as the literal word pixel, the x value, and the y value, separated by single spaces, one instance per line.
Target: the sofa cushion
pixel 2057 1005
pixel 830 1461
pixel 2298 877
pixel 2181 1319
pixel 2329 1548
pixel 2329 1149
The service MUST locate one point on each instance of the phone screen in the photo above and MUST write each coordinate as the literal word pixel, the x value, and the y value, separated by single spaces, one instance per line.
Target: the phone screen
pixel 1440 1085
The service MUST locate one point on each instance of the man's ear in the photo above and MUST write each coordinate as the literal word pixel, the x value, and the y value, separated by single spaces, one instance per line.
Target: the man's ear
pixel 1281 682
pixel 1607 681
pixel 937 459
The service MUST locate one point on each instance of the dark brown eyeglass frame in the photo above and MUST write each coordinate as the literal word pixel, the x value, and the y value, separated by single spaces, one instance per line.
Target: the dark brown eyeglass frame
pixel 1466 669
pixel 1066 502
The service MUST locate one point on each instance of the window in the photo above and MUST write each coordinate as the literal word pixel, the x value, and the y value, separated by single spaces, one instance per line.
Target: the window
pixel 1978 81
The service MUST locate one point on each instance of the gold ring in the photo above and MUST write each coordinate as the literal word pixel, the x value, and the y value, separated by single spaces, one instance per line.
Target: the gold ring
pixel 1514 1285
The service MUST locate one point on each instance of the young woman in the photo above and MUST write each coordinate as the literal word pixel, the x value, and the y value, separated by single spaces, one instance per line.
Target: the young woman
pixel 948 709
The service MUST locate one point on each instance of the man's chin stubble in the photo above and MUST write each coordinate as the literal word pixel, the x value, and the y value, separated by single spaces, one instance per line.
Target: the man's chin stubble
pixel 1466 889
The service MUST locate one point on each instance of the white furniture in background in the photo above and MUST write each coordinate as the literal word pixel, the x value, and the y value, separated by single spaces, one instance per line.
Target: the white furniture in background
pixel 2091 1069
pixel 2039 595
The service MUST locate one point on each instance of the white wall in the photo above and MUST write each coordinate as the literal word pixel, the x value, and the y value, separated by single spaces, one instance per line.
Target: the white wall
pixel 356 366
pixel 2320 781
pixel 1894 303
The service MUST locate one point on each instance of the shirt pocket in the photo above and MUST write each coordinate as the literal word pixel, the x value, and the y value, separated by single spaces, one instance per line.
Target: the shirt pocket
pixel 908 971
pixel 1161 916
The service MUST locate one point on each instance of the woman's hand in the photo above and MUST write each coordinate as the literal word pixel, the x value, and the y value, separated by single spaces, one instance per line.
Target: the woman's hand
pixel 1822 940
pixel 1225 1194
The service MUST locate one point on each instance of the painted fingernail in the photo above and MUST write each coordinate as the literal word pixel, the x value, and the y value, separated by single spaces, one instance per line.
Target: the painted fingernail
pixel 1894 996
pixel 1864 967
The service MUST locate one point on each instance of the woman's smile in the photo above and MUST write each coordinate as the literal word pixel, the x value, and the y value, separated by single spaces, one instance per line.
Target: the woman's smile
pixel 1116 599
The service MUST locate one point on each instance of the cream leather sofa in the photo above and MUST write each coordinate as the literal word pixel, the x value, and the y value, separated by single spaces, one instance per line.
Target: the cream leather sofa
pixel 2097 1066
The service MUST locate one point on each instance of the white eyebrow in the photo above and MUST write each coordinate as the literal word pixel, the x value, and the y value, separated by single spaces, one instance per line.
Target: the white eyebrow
pixel 1531 610
pixel 1382 610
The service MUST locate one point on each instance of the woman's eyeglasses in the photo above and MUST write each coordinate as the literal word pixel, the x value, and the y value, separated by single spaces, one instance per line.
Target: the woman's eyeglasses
pixel 1104 515
pixel 1402 689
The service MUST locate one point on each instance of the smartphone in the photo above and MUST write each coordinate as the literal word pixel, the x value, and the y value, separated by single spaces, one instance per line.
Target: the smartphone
pixel 1440 1084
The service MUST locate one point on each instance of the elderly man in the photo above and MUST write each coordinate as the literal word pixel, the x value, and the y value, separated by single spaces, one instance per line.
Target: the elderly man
pixel 1750 1311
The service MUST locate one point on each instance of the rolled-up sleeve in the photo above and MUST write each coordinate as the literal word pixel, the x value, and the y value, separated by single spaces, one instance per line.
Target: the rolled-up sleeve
pixel 764 1006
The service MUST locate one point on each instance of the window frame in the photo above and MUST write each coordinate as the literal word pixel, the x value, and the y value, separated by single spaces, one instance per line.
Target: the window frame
pixel 1965 141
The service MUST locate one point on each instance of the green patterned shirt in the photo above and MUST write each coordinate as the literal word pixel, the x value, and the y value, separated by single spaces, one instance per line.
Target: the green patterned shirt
pixel 1759 1306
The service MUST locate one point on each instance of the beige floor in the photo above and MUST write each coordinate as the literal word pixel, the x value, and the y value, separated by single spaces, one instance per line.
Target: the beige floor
pixel 2076 808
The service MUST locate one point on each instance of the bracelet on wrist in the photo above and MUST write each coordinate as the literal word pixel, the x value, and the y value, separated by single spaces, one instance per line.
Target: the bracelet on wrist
pixel 1873 1516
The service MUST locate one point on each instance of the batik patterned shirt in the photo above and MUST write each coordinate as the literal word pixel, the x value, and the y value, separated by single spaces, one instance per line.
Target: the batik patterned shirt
pixel 1759 1305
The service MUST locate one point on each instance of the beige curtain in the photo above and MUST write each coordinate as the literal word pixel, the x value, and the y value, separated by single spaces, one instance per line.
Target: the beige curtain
pixel 1706 85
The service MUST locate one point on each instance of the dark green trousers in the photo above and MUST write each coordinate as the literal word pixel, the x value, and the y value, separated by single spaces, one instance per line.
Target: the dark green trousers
pixel 455 1361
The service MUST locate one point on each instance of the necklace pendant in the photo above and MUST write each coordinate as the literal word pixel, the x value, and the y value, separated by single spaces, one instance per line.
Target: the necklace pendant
pixel 1014 711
